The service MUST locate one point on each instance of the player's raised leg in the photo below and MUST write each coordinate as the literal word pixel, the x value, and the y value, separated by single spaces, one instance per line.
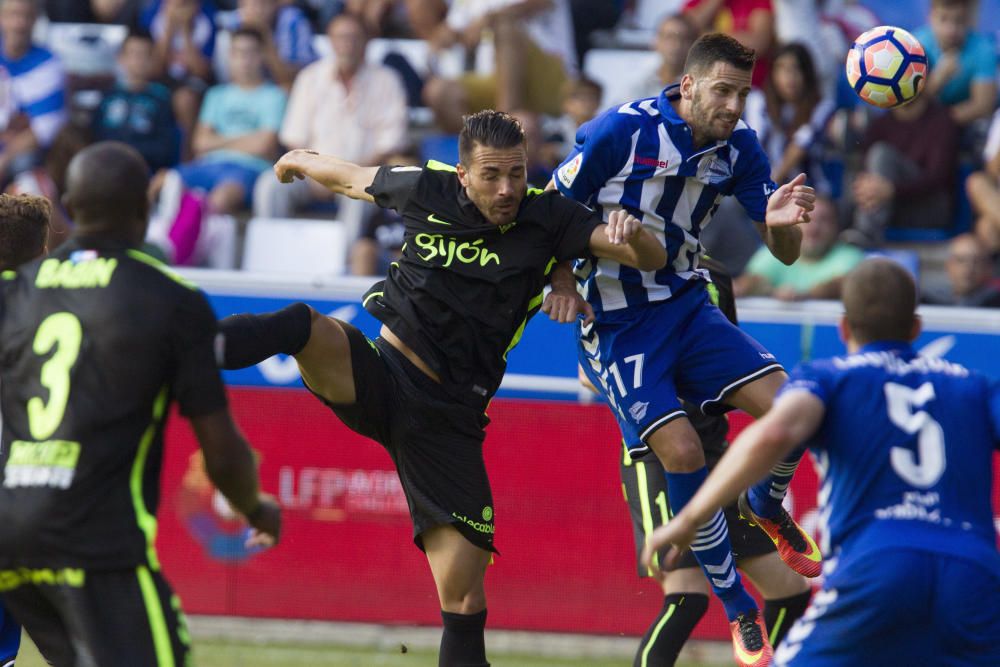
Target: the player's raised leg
pixel 679 449
pixel 761 504
pixel 318 343
pixel 459 568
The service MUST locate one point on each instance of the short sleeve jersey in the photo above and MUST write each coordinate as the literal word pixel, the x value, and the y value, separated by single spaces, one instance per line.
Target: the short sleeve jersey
pixel 463 289
pixel 905 453
pixel 641 157
pixel 95 341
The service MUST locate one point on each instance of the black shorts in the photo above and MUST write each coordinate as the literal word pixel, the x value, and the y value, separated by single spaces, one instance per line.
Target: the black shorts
pixel 94 618
pixel 646 493
pixel 435 442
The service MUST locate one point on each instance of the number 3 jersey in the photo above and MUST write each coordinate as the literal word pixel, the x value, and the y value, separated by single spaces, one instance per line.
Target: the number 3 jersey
pixel 905 453
pixel 95 340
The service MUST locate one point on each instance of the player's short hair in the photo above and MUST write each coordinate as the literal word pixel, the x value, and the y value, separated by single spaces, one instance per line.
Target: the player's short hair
pixel 951 4
pixel 248 31
pixel 496 129
pixel 24 228
pixel 34 3
pixel 880 301
pixel 717 47
pixel 138 35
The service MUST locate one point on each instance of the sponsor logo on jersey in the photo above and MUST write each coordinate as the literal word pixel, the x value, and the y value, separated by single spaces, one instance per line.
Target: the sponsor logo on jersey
pixel 567 173
pixel 650 161
pixel 437 221
pixel 486 528
pixel 49 463
pixel 448 250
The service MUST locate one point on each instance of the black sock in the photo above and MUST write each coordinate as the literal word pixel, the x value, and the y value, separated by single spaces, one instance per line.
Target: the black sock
pixel 781 613
pixel 662 643
pixel 462 642
pixel 250 339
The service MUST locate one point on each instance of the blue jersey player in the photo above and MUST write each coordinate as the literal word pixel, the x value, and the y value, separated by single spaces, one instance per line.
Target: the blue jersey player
pixel 669 160
pixel 905 449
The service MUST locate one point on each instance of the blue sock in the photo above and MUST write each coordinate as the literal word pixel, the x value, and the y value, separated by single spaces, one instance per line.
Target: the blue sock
pixel 766 496
pixel 711 546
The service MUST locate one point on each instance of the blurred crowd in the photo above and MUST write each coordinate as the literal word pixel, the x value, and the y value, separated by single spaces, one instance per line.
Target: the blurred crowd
pixel 212 91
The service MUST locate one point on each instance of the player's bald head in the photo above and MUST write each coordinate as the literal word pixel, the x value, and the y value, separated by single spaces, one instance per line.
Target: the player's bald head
pixel 106 187
pixel 880 301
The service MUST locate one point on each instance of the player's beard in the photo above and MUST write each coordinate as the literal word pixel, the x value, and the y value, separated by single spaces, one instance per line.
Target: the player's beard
pixel 711 126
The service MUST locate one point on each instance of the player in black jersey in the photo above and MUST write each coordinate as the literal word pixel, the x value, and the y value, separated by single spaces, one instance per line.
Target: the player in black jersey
pixel 24 229
pixel 95 342
pixel 478 246
pixel 786 593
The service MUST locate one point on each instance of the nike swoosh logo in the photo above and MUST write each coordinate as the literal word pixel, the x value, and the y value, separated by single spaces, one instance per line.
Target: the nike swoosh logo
pixel 436 220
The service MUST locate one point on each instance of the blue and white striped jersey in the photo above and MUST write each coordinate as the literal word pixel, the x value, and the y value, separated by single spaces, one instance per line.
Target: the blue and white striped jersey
pixel 640 157
pixel 904 452
pixel 38 87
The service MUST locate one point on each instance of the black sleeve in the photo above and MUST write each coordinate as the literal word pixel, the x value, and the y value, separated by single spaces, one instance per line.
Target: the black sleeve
pixel 574 225
pixel 196 383
pixel 393 186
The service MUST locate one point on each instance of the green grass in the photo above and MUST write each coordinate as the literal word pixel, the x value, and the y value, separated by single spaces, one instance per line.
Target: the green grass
pixel 216 653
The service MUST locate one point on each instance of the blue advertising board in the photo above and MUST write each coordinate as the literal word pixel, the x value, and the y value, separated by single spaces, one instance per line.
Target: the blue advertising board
pixel 544 363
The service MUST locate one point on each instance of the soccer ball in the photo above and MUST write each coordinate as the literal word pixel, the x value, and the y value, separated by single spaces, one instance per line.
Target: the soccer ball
pixel 886 66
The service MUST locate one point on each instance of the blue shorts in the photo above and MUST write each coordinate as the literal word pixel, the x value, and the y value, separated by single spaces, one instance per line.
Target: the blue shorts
pixel 10 636
pixel 642 359
pixel 208 175
pixel 900 607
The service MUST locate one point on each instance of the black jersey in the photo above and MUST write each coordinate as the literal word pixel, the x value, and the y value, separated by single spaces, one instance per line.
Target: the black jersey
pixel 464 288
pixel 95 341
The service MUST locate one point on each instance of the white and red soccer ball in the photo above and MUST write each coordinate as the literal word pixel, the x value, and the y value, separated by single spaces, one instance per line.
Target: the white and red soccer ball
pixel 887 66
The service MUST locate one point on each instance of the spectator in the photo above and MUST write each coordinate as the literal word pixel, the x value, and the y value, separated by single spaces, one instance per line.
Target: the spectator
pixel 674 37
pixel 818 272
pixel 983 188
pixel 589 16
pixel 184 34
pixel 138 111
pixel 381 240
pixel 37 85
pixel 237 134
pixel 341 107
pixel 750 22
pixel 286 31
pixel 908 178
pixel 48 180
pixel 539 171
pixel 123 12
pixel 533 44
pixel 963 63
pixel 790 116
pixel 417 18
pixel 581 102
pixel 970 276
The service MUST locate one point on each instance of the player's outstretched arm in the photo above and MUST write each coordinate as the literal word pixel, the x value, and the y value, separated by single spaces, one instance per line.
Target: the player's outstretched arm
pixel 624 240
pixel 786 209
pixel 563 303
pixel 231 467
pixel 796 416
pixel 336 175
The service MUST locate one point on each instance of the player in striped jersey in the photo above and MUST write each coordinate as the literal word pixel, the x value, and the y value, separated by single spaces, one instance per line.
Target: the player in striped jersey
pixel 669 160
pixel 905 446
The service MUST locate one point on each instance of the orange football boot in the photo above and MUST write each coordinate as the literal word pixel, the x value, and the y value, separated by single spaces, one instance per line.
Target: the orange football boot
pixel 794 545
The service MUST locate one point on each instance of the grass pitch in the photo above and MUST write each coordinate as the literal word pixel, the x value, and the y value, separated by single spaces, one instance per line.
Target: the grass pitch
pixel 215 653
